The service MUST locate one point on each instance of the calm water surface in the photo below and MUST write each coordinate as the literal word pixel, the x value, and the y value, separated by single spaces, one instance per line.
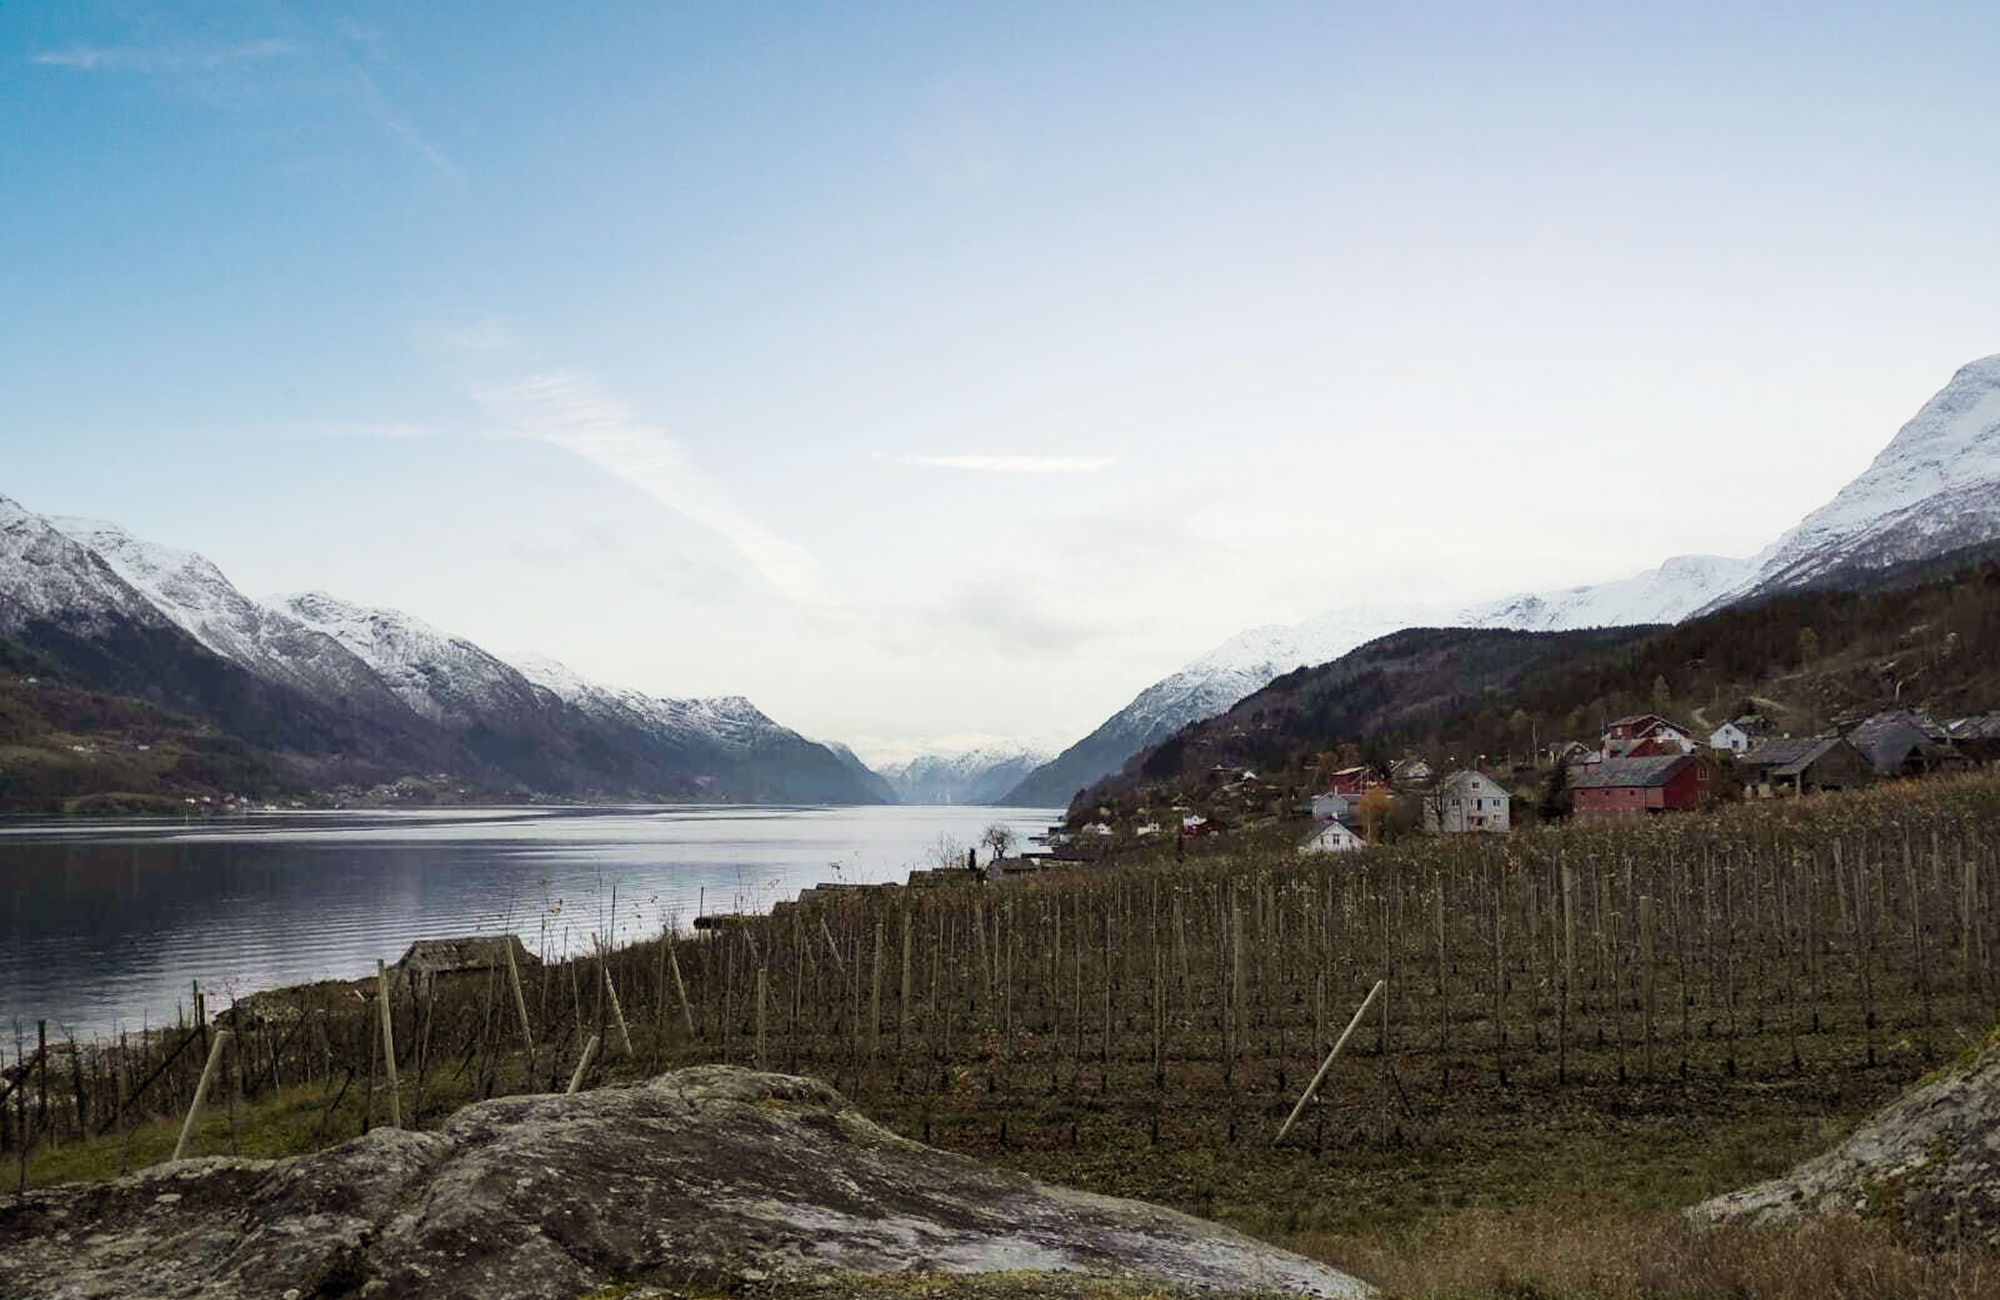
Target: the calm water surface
pixel 104 925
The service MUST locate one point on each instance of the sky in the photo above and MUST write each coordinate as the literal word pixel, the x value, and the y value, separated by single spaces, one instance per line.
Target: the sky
pixel 934 370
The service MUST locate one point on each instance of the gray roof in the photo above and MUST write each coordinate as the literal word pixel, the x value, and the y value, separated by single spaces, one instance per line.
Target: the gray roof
pixel 1623 773
pixel 1887 738
pixel 466 952
pixel 1790 757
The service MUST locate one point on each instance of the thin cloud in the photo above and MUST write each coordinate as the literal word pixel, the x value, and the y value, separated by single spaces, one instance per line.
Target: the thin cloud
pixel 353 83
pixel 179 57
pixel 1007 464
pixel 570 411
pixel 385 115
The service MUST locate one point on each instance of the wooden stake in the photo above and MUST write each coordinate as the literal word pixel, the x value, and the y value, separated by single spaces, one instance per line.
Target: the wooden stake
pixel 582 1064
pixel 388 1043
pixel 617 1010
pixel 1327 1064
pixel 875 999
pixel 1646 971
pixel 216 1045
pixel 520 1003
pixel 687 1008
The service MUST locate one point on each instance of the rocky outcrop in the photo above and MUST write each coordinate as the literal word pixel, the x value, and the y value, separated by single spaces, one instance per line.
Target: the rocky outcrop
pixel 702 1175
pixel 1929 1161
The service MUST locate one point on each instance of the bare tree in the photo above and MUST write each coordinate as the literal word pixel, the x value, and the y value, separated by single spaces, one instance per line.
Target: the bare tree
pixel 998 838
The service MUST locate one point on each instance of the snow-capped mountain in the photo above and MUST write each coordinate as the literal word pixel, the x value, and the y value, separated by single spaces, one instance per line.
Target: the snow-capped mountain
pixel 443 679
pixel 870 779
pixel 727 720
pixel 45 577
pixel 343 692
pixel 980 775
pixel 192 592
pixel 1933 489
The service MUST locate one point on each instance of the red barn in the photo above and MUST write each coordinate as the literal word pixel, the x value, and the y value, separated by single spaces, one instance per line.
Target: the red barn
pixel 1620 787
pixel 1353 782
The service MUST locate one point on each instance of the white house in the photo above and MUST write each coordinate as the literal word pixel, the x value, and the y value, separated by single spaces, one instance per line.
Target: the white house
pixel 1331 806
pixel 1737 735
pixel 1331 838
pixel 1410 771
pixel 1467 801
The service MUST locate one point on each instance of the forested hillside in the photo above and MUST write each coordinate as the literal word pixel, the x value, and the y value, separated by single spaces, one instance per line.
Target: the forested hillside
pixel 1807 661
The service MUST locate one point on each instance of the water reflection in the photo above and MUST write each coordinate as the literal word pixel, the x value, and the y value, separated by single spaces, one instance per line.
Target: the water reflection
pixel 105 926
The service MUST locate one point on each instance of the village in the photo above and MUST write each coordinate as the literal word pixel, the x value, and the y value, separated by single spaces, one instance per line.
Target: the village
pixel 1640 765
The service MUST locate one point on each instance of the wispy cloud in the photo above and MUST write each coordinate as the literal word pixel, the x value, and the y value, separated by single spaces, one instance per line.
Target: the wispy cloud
pixel 569 410
pixel 374 103
pixel 1007 464
pixel 178 57
pixel 317 68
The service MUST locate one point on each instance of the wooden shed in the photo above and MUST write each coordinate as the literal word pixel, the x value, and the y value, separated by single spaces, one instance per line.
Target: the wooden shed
pixel 463 955
pixel 1621 787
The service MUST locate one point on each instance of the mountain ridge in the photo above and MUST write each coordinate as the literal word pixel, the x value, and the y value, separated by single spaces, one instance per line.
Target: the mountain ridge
pixel 1934 488
pixel 340 692
pixel 982 774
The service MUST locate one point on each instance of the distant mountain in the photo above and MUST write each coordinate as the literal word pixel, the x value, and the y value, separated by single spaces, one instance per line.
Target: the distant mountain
pixel 982 775
pixel 873 781
pixel 342 693
pixel 1934 489
pixel 270 643
pixel 723 746
pixel 81 621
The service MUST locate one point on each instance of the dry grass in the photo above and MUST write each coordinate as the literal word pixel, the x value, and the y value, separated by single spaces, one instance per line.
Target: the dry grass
pixel 1551 1253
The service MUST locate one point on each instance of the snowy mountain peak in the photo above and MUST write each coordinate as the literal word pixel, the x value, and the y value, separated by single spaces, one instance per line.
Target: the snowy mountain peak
pixel 730 720
pixel 972 773
pixel 1948 452
pixel 367 631
pixel 46 576
pixel 556 678
pixel 443 678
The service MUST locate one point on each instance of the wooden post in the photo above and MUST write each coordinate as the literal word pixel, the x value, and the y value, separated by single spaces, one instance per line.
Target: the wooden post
pixel 388 1043
pixel 520 1003
pixel 1235 1010
pixel 1444 1015
pixel 875 998
pixel 1569 970
pixel 1327 1064
pixel 762 992
pixel 687 1008
pixel 220 1040
pixel 582 1064
pixel 611 992
pixel 42 1074
pixel 1499 978
pixel 903 1003
pixel 1646 971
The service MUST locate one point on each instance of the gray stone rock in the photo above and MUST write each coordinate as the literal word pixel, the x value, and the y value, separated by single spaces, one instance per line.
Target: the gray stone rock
pixel 1929 1161
pixel 696 1176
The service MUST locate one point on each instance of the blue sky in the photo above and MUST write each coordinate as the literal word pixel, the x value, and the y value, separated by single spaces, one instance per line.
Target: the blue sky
pixel 941 369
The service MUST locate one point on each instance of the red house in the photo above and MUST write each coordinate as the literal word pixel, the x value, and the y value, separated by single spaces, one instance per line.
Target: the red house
pixel 1646 734
pixel 1619 787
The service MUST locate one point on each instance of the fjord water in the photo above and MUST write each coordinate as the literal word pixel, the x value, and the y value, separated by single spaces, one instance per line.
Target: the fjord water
pixel 103 926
